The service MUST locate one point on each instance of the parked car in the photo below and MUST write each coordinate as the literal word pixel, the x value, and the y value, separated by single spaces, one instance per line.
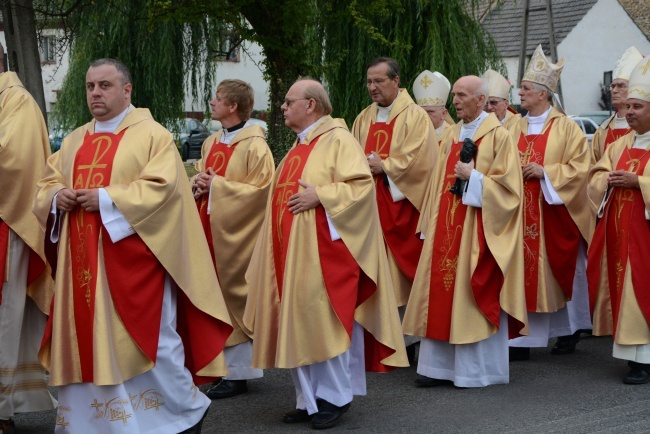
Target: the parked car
pixel 212 125
pixel 56 137
pixel 587 126
pixel 189 135
pixel 598 117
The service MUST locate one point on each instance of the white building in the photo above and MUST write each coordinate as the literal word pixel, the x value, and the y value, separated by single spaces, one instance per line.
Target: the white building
pixel 590 34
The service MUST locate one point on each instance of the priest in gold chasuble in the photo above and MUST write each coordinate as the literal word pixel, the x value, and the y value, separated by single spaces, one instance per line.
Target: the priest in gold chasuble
pixel 25 281
pixel 235 174
pixel 619 191
pixel 616 126
pixel 321 302
pixel 557 224
pixel 468 290
pixel 400 143
pixel 132 327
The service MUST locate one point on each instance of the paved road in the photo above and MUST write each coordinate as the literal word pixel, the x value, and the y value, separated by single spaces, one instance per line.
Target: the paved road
pixel 579 393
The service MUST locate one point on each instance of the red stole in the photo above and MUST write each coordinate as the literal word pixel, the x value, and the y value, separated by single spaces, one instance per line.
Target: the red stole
pixel 398 219
pixel 136 290
pixel 624 230
pixel 34 269
pixel 613 134
pixel 487 278
pixel 561 234
pixel 217 160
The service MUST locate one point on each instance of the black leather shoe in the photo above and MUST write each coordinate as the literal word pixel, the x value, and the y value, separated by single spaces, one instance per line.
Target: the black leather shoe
pixel 227 389
pixel 328 414
pixel 639 374
pixel 566 344
pixel 518 354
pixel 297 416
pixel 196 429
pixel 430 382
pixel 412 353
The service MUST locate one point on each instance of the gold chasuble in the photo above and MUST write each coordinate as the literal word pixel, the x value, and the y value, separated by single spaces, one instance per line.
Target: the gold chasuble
pixel 24 149
pixel 604 136
pixel 306 290
pixel 552 232
pixel 105 317
pixel 406 143
pixel 619 288
pixel 512 117
pixel 468 271
pixel 238 197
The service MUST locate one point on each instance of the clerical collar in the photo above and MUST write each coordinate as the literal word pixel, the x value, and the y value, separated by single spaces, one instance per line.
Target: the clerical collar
pixel 440 130
pixel 239 126
pixel 467 130
pixel 111 125
pixel 532 120
pixel 620 123
pixel 383 113
pixel 641 141
pixel 303 135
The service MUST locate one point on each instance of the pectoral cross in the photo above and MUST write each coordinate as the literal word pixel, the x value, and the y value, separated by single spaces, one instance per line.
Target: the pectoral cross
pixel 525 156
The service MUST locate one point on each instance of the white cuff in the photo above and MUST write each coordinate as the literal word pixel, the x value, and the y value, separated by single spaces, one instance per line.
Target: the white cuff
pixel 550 195
pixel 473 194
pixel 647 214
pixel 56 226
pixel 394 191
pixel 117 226
pixel 333 232
pixel 421 235
pixel 603 203
pixel 210 195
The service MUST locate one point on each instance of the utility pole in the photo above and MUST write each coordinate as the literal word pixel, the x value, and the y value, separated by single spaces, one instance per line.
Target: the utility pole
pixel 22 47
pixel 524 41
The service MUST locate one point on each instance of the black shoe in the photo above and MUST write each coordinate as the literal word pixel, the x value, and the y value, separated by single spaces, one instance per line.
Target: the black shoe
pixel 297 416
pixel 518 354
pixel 196 429
pixel 639 374
pixel 328 414
pixel 566 344
pixel 430 382
pixel 227 389
pixel 7 426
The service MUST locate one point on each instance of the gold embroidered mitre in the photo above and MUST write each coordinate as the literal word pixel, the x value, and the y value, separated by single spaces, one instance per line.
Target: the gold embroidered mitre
pixel 639 86
pixel 431 89
pixel 541 71
pixel 626 63
pixel 498 85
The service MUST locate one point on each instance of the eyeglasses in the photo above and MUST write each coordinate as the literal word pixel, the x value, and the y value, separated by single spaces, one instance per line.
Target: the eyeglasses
pixel 288 101
pixel 376 82
pixel 494 102
pixel 621 86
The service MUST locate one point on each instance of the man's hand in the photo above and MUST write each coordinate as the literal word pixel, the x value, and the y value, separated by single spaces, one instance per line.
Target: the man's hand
pixel 532 171
pixel 202 182
pixel 621 178
pixel 374 161
pixel 66 200
pixel 463 170
pixel 88 199
pixel 304 200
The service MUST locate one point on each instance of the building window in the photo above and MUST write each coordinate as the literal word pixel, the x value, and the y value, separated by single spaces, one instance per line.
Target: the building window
pixel 48 49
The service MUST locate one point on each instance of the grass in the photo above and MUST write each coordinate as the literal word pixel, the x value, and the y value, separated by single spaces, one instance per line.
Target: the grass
pixel 189 169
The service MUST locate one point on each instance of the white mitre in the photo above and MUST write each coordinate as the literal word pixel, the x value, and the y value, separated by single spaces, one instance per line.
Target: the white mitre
pixel 498 85
pixel 626 63
pixel 639 85
pixel 431 89
pixel 541 71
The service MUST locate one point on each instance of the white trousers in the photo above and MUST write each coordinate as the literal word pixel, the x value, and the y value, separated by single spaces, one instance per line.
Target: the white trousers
pixel 23 386
pixel 566 321
pixel 239 358
pixel 468 365
pixel 335 380
pixel 162 400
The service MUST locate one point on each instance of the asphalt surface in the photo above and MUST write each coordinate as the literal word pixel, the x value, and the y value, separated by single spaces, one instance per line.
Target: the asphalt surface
pixel 578 393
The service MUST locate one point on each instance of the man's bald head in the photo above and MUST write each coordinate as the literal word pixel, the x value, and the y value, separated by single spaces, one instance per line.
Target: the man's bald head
pixel 314 89
pixel 470 94
pixel 305 103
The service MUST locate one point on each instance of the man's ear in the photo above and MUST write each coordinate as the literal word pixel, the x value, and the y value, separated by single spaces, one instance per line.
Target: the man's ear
pixel 127 90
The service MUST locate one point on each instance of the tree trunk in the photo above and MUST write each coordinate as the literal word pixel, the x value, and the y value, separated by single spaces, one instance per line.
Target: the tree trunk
pixel 22 47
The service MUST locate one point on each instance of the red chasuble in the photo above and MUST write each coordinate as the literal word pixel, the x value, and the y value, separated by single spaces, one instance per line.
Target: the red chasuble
pixel 136 291
pixel 487 278
pixel 218 160
pixel 626 232
pixel 398 219
pixel 346 284
pixel 613 134
pixel 561 234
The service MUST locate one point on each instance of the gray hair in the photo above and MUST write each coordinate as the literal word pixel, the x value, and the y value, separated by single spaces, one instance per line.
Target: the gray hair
pixel 121 68
pixel 317 92
pixel 540 88
pixel 393 67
